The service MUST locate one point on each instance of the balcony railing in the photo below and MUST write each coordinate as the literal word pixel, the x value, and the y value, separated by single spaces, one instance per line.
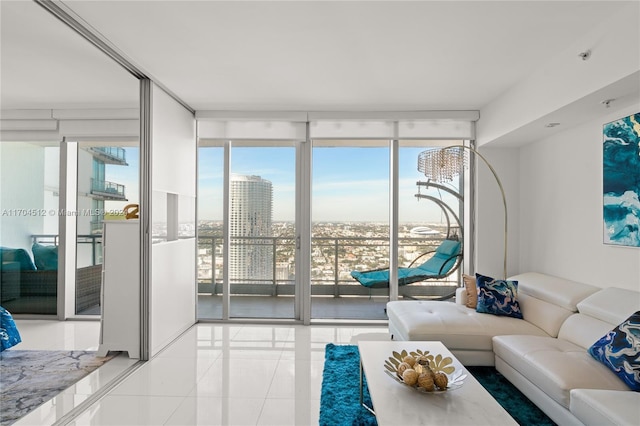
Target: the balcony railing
pixel 93 241
pixel 110 154
pixel 333 258
pixel 107 190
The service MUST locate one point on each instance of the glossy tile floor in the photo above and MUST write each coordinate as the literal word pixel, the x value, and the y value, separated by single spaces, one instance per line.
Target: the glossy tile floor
pixel 214 374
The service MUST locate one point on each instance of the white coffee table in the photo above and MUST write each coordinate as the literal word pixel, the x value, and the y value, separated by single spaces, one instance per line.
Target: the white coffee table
pixel 397 404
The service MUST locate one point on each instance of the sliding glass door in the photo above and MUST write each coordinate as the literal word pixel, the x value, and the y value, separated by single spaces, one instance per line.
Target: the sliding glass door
pixel 29 172
pixel 350 227
pixel 262 230
pixel 262 253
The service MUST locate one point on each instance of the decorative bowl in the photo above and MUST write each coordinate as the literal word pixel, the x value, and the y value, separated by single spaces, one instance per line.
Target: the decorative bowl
pixel 424 363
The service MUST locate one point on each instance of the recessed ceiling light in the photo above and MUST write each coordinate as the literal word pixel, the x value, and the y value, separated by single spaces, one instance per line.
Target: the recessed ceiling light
pixel 551 124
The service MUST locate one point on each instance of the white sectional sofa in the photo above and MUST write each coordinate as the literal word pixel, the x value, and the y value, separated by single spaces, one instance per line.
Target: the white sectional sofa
pixel 545 353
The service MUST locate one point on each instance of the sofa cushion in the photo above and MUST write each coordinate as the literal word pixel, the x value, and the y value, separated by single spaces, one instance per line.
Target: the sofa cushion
pixel 455 325
pixel 597 407
pixel 497 297
pixel 555 366
pixel 21 256
pixel 619 350
pixel 555 290
pixel 611 304
pixel 45 257
pixel 543 314
pixel 583 330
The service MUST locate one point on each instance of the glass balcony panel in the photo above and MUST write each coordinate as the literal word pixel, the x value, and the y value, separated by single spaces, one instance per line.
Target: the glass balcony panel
pixel 107 190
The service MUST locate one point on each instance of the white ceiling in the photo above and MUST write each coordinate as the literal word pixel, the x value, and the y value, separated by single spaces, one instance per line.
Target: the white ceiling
pixel 289 55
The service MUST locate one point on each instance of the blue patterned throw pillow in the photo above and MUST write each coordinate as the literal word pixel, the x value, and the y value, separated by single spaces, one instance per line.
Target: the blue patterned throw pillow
pixel 619 350
pixel 9 335
pixel 497 297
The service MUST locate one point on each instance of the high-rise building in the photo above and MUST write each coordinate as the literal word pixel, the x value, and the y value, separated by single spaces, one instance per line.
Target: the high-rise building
pixel 251 255
pixel 95 195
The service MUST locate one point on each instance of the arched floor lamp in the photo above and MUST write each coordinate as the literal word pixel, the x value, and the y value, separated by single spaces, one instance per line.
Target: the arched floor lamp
pixel 442 164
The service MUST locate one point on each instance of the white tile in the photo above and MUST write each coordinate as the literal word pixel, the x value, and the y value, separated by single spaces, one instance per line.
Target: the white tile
pixel 294 412
pixel 217 411
pixel 235 378
pixel 129 410
pixel 165 376
pixel 212 374
pixel 297 379
pixel 52 410
pixel 189 346
pixel 103 375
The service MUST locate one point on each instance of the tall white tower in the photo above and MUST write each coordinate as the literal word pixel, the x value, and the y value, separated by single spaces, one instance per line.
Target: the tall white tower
pixel 251 259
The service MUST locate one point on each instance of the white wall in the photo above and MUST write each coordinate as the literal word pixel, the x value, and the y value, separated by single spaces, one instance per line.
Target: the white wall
pixel 561 225
pixel 489 218
pixel 173 263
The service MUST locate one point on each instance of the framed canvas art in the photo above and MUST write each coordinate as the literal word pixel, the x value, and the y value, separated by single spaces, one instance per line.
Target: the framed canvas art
pixel 621 181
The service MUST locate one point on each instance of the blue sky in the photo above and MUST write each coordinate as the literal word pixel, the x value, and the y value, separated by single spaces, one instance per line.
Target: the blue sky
pixel 348 184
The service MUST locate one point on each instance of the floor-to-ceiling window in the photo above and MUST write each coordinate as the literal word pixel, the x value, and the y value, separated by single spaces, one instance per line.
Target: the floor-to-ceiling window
pixel 429 212
pixel 262 251
pixel 210 229
pixel 350 227
pixel 29 227
pixel 360 203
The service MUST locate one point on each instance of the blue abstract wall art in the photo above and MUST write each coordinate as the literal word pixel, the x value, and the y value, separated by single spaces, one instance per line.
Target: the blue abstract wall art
pixel 621 181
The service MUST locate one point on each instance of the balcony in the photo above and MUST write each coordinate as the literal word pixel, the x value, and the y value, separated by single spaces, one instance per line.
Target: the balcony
pixel 334 293
pixel 105 190
pixel 110 155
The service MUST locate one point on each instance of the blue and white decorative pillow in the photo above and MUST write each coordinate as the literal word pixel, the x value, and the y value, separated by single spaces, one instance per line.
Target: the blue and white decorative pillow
pixel 497 297
pixel 619 350
pixel 9 335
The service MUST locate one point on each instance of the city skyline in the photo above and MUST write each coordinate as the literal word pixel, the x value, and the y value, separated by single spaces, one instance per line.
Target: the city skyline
pixel 348 183
pixel 354 179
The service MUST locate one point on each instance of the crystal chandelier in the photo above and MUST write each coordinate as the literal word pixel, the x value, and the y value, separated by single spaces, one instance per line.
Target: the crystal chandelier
pixel 442 165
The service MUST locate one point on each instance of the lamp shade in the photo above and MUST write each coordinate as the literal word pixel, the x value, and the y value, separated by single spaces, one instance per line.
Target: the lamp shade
pixel 442 165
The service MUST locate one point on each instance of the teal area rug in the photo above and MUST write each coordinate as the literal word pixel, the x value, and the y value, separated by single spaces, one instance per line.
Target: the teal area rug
pixel 30 378
pixel 340 397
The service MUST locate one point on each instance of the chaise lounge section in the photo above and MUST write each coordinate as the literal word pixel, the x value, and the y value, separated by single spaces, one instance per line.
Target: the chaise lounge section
pixel 544 354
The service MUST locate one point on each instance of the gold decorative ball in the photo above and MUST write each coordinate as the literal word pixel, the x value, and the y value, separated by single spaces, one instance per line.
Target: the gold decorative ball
pixel 409 360
pixel 441 381
pixel 423 360
pixel 410 377
pixel 425 381
pixel 402 367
